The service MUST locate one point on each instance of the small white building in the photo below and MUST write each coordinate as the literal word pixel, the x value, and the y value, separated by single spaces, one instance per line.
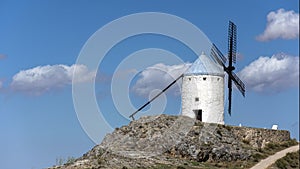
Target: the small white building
pixel 203 91
pixel 275 127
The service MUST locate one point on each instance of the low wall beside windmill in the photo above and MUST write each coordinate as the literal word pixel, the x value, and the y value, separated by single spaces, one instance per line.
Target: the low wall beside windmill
pixel 258 137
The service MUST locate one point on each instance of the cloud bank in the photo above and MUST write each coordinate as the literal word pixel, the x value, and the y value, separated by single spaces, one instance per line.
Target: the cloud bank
pixel 281 24
pixel 264 75
pixel 45 78
pixel 158 76
pixel 271 74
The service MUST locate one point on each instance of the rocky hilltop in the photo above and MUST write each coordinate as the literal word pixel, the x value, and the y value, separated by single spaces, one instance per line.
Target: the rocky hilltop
pixel 153 141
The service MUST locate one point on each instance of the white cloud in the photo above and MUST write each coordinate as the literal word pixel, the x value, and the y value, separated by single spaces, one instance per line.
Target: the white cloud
pixel 44 78
pixel 281 24
pixel 266 74
pixel 271 74
pixel 158 76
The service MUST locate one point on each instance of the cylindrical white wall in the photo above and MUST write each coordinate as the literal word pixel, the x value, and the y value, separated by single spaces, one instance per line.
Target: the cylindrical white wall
pixel 206 93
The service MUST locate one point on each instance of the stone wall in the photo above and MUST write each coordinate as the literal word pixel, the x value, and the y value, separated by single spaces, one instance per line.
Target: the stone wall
pixel 258 137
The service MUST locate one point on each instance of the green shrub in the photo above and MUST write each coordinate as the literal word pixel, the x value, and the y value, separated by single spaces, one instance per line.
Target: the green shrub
pixel 281 164
pixel 180 167
pixel 291 160
pixel 272 146
pixel 100 152
pixel 70 160
pixel 289 143
pixel 257 157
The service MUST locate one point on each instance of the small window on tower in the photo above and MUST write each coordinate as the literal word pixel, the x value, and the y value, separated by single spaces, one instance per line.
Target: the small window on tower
pixel 204 78
pixel 189 79
pixel 196 99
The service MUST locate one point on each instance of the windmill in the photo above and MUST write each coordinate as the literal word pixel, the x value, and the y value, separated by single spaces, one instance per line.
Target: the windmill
pixel 219 57
pixel 206 103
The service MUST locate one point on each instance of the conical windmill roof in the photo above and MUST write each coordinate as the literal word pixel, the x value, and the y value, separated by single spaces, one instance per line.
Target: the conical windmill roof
pixel 204 65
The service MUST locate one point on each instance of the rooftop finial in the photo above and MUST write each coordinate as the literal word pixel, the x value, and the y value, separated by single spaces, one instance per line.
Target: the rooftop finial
pixel 202 53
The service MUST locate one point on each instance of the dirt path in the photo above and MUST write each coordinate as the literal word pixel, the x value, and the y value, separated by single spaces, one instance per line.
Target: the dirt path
pixel 271 159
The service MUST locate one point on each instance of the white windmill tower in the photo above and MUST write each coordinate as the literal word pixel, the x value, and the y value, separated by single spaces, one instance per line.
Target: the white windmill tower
pixel 203 91
pixel 203 84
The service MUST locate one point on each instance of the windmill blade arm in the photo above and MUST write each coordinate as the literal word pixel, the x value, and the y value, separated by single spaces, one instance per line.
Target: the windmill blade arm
pixel 229 95
pixel 216 58
pixel 132 115
pixel 232 42
pixel 238 82
pixel 218 55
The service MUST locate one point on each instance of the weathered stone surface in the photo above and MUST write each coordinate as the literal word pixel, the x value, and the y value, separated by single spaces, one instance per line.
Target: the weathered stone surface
pixel 173 140
pixel 258 137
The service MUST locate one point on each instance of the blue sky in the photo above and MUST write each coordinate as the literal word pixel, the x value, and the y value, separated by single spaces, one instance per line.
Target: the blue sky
pixel 41 41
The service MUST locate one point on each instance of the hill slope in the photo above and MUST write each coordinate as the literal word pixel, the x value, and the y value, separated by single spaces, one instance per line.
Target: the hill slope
pixel 290 161
pixel 178 141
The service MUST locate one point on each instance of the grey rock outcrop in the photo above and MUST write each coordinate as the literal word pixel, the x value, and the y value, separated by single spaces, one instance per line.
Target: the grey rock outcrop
pixel 173 140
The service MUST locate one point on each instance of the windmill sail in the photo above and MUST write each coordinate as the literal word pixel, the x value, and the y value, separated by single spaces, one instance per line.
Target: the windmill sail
pixel 165 89
pixel 238 83
pixel 232 41
pixel 219 58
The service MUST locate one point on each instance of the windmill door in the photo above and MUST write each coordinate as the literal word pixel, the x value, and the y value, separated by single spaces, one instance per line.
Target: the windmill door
pixel 198 114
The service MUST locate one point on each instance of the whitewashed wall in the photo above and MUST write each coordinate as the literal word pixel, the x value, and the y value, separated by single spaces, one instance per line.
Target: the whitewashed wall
pixel 211 97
